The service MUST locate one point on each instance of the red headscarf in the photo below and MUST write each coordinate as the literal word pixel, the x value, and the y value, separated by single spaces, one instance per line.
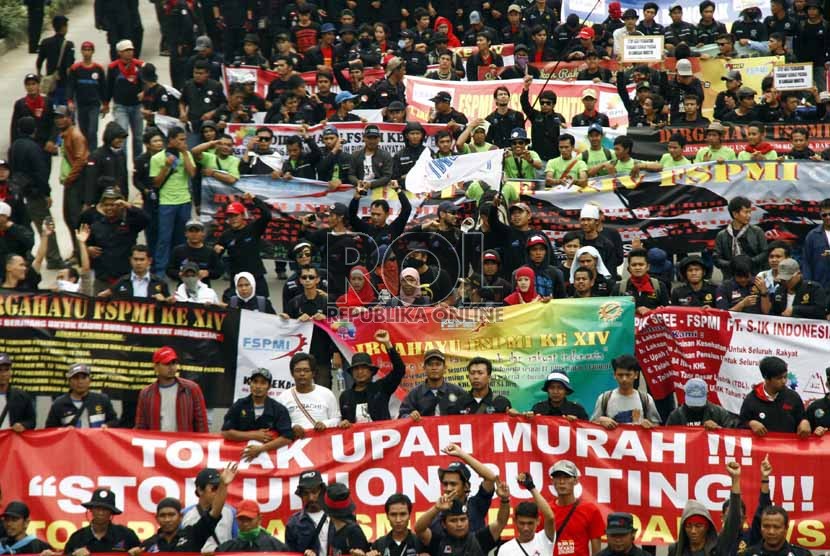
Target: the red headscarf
pixel 452 40
pixel 518 297
pixel 358 298
pixel 389 275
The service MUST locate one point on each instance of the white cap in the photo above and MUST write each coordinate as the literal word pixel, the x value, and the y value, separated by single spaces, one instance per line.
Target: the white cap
pixel 684 67
pixel 589 210
pixel 5 209
pixel 126 44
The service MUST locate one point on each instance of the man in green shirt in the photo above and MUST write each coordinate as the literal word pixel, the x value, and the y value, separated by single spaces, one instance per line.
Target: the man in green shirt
pixel 624 163
pixel 674 158
pixel 597 156
pixel 478 131
pixel 171 170
pixel 757 148
pixel 519 161
pixel 220 164
pixel 715 151
pixel 566 169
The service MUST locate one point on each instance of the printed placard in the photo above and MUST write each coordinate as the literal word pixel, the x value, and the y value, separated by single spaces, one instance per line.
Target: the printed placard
pixel 793 77
pixel 643 49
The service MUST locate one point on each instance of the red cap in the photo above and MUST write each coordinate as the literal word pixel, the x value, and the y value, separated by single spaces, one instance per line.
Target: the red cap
pixel 88 44
pixel 536 240
pixel 165 355
pixel 491 257
pixel 247 508
pixel 586 33
pixel 235 208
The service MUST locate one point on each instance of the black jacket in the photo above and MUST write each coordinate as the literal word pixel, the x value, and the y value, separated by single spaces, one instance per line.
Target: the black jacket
pixel 566 408
pixel 122 89
pixel 123 288
pixel 204 256
pixel 17 240
pixel 45 122
pixel 274 417
pixel 490 403
pixel 386 234
pixel 263 543
pixel 386 542
pixel 106 162
pixel 115 238
pixel 684 296
pixel 98 408
pixel 21 408
pixel 658 298
pixel 786 550
pixel 306 165
pixel 30 168
pixel 544 129
pixel 809 302
pixel 780 415
pixel 381 165
pixel 187 539
pixel 502 125
pixel 376 395
pixel 49 51
pixel 244 245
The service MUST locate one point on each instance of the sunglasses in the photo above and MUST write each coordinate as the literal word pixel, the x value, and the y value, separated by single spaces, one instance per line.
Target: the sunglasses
pixel 825 214
pixel 264 139
pixel 546 102
pixel 304 254
pixel 307 277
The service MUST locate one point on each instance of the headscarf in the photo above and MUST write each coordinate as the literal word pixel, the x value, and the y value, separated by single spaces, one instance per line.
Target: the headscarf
pixel 410 299
pixel 248 276
pixel 518 297
pixel 601 270
pixel 452 40
pixel 387 272
pixel 361 297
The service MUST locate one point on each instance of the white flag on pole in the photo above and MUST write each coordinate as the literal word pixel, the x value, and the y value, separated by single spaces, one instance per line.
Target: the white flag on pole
pixel 434 174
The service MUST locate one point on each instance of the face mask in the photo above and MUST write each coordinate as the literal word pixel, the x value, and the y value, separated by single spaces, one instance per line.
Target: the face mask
pixel 412 262
pixel 402 43
pixel 190 282
pixel 67 286
pixel 365 42
pixel 521 61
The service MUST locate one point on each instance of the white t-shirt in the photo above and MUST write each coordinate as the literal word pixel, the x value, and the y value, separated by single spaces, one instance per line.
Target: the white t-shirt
pixel 5 424
pixel 169 423
pixel 541 545
pixel 225 530
pixel 324 530
pixel 627 409
pixel 203 294
pixel 368 171
pixel 320 404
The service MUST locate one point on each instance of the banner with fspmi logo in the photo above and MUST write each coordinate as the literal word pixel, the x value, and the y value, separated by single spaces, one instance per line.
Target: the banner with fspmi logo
pixel 268 341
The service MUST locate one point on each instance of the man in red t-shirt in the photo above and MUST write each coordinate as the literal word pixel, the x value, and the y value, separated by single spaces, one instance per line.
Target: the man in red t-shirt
pixel 579 523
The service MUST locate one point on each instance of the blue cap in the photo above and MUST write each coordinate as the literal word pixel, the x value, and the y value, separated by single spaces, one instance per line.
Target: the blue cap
pixel 595 127
pixel 696 392
pixel 328 28
pixel 518 134
pixel 343 96
pixel 330 130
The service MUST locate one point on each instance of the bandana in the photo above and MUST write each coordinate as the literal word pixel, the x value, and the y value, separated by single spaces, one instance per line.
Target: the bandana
pixel 642 283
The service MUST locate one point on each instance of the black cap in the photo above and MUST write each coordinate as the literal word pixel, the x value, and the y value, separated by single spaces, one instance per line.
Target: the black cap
pixel 371 131
pixel 102 498
pixel 148 73
pixel 442 96
pixel 396 106
pixel 310 479
pixel 362 359
pixel 16 509
pixel 31 77
pixel 520 47
pixel 339 209
pixel 629 13
pixel 251 37
pixel 620 523
pixel 456 467
pixel 457 508
pixel 207 476
pixel 337 502
pixel 189 265
pixel 5 359
pixel 688 261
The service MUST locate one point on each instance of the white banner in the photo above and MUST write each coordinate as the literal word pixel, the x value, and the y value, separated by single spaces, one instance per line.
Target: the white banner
pixel 434 174
pixel 268 341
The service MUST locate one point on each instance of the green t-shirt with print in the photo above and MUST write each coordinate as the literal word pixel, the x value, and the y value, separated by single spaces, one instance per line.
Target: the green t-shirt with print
pixel 229 164
pixel 176 190
pixel 723 152
pixel 666 161
pixel 519 168
pixel 557 167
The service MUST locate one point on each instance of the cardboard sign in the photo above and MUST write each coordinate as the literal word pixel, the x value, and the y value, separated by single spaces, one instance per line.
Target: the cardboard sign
pixel 793 77
pixel 647 48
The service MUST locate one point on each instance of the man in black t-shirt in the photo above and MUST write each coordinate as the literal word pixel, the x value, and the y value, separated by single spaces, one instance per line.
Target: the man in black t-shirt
pixel 15 540
pixel 102 535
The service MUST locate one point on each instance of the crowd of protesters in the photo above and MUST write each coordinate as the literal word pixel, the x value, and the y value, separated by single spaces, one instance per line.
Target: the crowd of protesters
pixel 157 246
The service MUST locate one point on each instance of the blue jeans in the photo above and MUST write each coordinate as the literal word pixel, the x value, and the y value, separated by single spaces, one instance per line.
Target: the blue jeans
pixel 130 118
pixel 87 116
pixel 171 221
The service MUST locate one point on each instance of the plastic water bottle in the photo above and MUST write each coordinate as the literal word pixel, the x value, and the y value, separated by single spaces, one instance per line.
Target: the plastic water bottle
pixel 339 382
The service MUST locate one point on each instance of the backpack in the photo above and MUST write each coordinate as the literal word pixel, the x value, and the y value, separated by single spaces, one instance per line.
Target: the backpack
pixel 655 283
pixel 607 396
pixel 260 303
pixel 606 152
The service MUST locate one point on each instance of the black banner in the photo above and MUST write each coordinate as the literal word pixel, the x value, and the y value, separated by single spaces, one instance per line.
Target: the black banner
pixel 44 333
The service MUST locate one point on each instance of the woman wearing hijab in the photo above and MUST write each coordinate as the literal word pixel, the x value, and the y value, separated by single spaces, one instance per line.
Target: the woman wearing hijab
pixel 246 298
pixel 525 288
pixel 361 293
pixel 443 25
pixel 410 290
pixel 589 257
pixel 387 272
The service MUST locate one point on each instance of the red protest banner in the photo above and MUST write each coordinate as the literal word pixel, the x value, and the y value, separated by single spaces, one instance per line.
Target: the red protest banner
pixel 650 473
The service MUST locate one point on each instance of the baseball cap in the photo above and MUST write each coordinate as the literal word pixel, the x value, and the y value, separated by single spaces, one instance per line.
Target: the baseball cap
pixel 346 29
pixel 207 476
pixel 4 163
pixel 824 96
pixel 394 64
pixel 395 106
pixel 787 269
pixel 5 359
pixel 330 130
pixel 696 392
pixel 518 134
pixel 514 8
pixel 310 479
pixel 165 355
pixel 194 224
pixel 203 43
pixel 589 93
pixel 447 206
pixel 434 354
pixel 586 33
pixel 339 209
pixel 684 67
pixel 732 75
pixel 78 369
pixel 519 206
pixel 371 131
pixel 88 44
pixel 566 467
pixel 235 208
pixel 456 467
pixel 536 240
pixel 31 77
pixel 5 209
pixel 475 17
pixel 746 92
pixel 251 37
pixel 263 372
pixel 111 193
pixel 247 508
pixel 442 96
pixel 62 110
pixel 189 266
pixel 520 48
pixel 619 523
pixel 630 14
pixel 123 45
pixel 16 509
pixel 457 508
pixel 643 85
pixel 343 96
pixel 491 255
pixel 328 28
pixel 589 210
pixel 595 127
